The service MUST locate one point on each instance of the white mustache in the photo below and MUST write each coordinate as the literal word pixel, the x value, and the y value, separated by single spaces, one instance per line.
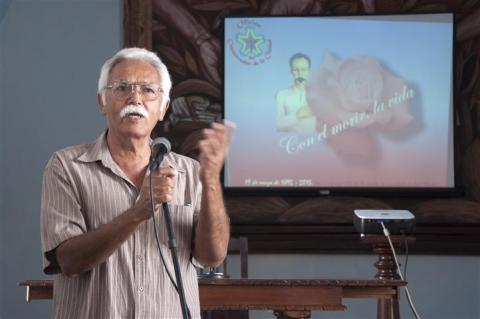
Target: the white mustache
pixel 133 109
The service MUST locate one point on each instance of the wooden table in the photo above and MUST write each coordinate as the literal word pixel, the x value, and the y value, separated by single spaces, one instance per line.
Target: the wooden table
pixel 289 298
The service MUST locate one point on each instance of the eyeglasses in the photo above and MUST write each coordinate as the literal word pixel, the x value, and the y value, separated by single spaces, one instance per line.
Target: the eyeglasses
pixel 122 89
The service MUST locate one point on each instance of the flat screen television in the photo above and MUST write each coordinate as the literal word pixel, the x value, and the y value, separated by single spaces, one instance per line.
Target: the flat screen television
pixel 326 103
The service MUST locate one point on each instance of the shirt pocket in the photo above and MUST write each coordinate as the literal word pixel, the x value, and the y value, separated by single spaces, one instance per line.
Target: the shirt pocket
pixel 182 224
pixel 181 192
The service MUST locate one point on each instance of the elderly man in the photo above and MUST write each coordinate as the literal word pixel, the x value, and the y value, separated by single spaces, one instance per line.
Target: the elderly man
pixel 293 112
pixel 98 232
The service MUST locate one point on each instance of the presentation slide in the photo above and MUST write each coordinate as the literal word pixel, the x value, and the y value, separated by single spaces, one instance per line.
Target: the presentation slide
pixel 340 102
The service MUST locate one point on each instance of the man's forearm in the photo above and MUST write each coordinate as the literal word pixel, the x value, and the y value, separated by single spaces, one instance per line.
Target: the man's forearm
pixel 213 229
pixel 83 252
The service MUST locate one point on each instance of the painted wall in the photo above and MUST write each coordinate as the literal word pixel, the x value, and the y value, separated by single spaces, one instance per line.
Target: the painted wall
pixel 50 55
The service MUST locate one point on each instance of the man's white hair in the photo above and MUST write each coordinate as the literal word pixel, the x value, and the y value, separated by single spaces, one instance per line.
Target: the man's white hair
pixel 135 54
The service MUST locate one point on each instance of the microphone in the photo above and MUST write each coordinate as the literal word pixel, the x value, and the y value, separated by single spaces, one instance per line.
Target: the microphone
pixel 160 147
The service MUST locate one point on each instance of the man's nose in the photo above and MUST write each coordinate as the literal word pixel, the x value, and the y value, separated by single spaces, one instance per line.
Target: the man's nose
pixel 135 93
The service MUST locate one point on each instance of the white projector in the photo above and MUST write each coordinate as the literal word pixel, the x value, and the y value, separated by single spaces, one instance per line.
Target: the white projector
pixel 368 221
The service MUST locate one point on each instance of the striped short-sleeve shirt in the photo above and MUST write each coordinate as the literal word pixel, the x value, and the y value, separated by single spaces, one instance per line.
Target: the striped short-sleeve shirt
pixel 84 188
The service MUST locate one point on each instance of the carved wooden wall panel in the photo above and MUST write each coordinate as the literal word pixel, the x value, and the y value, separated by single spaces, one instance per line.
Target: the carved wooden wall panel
pixel 187 35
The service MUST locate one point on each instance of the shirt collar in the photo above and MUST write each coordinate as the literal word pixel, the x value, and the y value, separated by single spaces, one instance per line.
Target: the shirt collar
pixel 98 151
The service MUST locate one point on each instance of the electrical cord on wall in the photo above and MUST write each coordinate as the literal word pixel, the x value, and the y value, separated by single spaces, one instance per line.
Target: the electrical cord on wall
pixel 399 271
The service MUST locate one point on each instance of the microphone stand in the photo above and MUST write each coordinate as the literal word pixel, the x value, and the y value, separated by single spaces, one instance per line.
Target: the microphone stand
pixel 172 244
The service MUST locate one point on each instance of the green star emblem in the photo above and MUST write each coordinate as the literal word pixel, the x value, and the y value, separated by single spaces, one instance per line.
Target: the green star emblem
pixel 251 43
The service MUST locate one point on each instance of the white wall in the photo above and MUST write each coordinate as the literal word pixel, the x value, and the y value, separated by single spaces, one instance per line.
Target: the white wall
pixel 50 55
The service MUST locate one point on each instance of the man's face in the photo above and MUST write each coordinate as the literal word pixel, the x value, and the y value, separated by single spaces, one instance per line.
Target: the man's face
pixel 300 70
pixel 133 125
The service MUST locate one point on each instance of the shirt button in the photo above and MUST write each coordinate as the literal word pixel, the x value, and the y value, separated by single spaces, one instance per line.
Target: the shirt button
pixel 139 258
pixel 140 289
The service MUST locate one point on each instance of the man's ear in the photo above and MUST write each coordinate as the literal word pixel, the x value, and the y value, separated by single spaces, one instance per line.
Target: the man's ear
pixel 163 110
pixel 101 105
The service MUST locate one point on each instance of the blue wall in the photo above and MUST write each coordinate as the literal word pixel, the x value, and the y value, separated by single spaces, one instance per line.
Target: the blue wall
pixel 50 55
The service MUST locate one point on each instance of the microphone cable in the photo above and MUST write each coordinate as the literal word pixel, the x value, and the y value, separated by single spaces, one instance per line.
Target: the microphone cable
pixel 152 201
pixel 399 270
pixel 406 258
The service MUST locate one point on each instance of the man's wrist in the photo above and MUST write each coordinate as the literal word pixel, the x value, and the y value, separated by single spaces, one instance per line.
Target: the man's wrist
pixel 211 181
pixel 138 214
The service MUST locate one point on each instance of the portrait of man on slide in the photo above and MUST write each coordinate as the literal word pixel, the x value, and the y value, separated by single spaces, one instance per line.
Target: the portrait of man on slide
pixel 293 112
